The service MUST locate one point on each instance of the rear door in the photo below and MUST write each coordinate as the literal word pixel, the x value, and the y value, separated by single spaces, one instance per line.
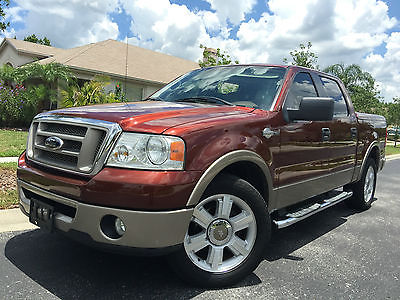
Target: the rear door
pixel 343 130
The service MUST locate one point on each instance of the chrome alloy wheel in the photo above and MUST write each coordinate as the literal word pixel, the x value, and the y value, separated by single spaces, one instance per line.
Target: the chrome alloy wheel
pixel 369 184
pixel 221 234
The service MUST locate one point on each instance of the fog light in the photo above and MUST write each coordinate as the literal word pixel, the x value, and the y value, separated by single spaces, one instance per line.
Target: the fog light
pixel 119 226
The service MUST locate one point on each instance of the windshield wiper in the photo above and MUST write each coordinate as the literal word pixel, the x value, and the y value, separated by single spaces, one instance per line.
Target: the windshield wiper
pixel 208 99
pixel 154 99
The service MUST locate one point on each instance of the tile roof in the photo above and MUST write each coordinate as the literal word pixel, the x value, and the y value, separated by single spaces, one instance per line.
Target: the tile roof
pixel 110 57
pixel 32 48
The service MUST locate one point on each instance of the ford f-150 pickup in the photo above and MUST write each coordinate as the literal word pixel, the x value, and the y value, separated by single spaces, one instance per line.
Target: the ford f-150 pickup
pixel 204 168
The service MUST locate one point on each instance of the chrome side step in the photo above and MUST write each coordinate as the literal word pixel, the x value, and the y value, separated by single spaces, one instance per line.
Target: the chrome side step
pixel 301 214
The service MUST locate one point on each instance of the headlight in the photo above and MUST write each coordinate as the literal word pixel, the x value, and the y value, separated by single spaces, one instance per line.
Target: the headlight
pixel 148 151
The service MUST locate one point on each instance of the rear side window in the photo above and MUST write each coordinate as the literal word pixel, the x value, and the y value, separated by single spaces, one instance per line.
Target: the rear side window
pixel 302 86
pixel 333 90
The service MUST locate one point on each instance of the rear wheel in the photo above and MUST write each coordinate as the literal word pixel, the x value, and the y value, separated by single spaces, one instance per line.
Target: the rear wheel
pixel 364 189
pixel 227 235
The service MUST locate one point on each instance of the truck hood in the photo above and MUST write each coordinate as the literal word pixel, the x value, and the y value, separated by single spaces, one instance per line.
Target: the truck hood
pixel 151 116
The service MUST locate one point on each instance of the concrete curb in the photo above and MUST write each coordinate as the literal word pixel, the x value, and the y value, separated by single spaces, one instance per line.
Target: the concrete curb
pixel 391 157
pixel 14 220
pixel 8 159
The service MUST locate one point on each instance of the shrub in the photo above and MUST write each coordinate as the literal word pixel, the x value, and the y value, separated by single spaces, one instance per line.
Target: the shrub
pixel 19 105
pixel 92 92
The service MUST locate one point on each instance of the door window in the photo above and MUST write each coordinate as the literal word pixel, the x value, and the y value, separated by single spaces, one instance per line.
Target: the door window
pixel 302 86
pixel 333 90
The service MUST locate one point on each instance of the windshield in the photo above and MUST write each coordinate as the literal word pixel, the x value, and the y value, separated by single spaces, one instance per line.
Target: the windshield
pixel 251 86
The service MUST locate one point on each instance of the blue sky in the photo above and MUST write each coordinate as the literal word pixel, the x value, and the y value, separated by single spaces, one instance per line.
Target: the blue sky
pixel 124 20
pixel 365 32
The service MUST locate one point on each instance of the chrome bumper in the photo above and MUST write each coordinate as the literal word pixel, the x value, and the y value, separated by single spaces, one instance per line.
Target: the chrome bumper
pixel 144 229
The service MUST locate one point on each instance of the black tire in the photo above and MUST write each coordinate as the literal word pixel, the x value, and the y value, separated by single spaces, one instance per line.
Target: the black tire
pixel 228 185
pixel 362 198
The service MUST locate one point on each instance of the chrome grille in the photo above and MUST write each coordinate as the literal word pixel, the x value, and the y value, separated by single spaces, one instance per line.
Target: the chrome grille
pixel 83 142
pixel 64 129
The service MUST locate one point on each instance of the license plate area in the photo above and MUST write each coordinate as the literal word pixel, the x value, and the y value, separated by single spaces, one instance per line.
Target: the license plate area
pixel 41 214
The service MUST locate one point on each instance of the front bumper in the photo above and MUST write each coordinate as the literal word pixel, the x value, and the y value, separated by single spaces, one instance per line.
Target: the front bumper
pixel 144 229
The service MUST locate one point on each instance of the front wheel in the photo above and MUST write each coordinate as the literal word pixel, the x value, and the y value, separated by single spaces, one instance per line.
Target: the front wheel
pixel 364 189
pixel 227 235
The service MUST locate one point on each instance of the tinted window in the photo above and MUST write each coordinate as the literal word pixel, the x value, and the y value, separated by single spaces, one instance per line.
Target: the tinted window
pixel 333 90
pixel 302 86
pixel 252 86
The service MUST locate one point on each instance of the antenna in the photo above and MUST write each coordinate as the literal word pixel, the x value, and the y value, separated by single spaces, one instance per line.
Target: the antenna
pixel 126 69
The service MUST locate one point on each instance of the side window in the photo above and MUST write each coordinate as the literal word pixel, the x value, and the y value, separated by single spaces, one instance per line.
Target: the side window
pixel 302 86
pixel 333 90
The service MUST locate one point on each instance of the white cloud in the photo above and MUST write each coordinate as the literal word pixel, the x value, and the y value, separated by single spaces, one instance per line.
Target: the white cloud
pixel 232 10
pixel 66 23
pixel 345 31
pixel 386 68
pixel 169 28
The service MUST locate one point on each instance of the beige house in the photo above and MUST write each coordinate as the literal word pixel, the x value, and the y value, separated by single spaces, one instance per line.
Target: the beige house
pixel 143 71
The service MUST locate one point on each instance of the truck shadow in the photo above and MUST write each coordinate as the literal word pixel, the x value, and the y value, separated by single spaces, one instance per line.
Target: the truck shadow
pixel 287 240
pixel 70 270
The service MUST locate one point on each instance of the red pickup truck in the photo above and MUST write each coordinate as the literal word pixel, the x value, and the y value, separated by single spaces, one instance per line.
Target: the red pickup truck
pixel 204 168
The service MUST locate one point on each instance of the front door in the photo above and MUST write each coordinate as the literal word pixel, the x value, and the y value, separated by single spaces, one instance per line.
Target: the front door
pixel 303 159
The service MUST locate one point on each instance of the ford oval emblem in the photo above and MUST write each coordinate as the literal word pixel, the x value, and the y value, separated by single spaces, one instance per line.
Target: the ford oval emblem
pixel 53 142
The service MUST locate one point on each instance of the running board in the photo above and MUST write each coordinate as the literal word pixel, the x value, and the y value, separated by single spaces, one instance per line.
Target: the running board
pixel 301 214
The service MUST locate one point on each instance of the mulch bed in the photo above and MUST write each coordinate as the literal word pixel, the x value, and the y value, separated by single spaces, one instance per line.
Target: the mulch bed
pixel 8 180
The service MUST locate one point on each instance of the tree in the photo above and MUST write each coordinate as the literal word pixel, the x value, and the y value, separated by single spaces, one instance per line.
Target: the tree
pixel 303 57
pixel 212 57
pixel 50 75
pixel 3 25
pixel 34 39
pixel 393 116
pixel 361 86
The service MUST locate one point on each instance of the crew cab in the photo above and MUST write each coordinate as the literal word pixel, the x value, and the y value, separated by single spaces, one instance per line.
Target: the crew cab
pixel 204 168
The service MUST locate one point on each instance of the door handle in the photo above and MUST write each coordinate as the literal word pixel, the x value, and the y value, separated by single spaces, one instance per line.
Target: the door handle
pixel 353 131
pixel 268 132
pixel 326 134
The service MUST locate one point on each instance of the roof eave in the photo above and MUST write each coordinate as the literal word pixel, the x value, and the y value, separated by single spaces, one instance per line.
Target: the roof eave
pixel 122 77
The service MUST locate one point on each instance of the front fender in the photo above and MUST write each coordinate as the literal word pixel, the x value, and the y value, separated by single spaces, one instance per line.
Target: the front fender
pixel 224 161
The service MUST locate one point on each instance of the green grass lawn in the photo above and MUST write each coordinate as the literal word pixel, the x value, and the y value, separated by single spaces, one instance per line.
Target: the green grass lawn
pixel 8 192
pixel 390 150
pixel 12 142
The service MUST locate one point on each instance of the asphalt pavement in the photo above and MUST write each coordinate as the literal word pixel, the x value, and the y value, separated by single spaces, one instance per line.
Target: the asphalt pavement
pixel 336 254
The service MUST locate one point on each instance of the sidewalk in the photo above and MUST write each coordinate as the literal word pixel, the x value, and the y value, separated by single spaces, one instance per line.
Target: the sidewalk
pixel 8 159
pixel 14 220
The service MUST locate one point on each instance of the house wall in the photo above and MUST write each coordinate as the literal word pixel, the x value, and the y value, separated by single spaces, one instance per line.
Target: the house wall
pixel 9 55
pixel 135 90
pixel 149 89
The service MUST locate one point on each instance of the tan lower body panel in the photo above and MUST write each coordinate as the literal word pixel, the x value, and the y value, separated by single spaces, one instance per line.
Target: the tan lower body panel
pixel 144 229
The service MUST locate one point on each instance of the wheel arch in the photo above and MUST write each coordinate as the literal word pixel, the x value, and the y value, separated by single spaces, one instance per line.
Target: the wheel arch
pixel 245 164
pixel 372 152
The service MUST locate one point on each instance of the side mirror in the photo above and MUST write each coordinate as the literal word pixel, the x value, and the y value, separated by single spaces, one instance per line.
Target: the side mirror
pixel 312 109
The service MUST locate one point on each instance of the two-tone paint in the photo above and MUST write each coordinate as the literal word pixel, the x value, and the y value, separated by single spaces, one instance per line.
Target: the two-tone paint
pixel 287 165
